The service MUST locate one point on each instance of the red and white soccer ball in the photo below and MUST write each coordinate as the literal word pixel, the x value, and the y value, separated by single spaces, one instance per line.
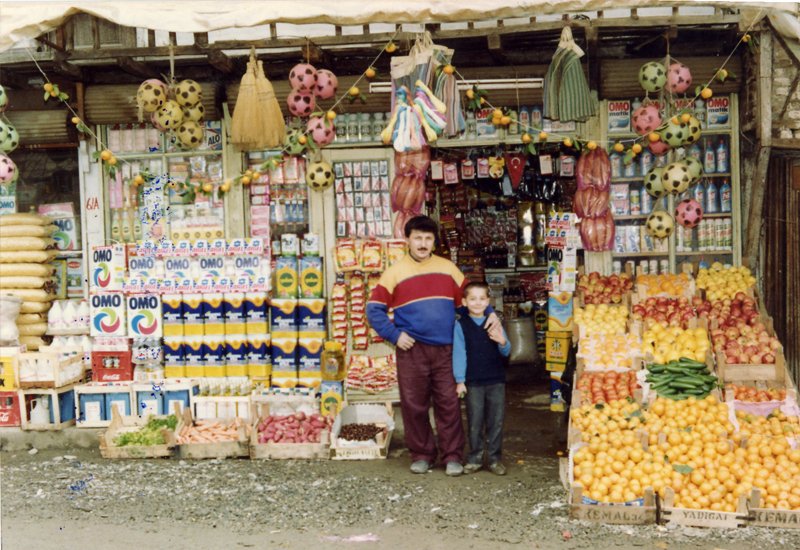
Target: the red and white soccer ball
pixel 327 83
pixel 658 147
pixel 301 102
pixel 321 131
pixel 8 170
pixel 679 78
pixel 688 213
pixel 646 119
pixel 303 77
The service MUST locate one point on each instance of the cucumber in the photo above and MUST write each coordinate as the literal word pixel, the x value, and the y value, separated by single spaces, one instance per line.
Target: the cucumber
pixel 684 385
pixel 675 369
pixel 656 369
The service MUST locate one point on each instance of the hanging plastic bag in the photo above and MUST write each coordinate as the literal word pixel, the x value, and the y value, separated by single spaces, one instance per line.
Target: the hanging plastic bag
pixel 594 170
pixel 597 234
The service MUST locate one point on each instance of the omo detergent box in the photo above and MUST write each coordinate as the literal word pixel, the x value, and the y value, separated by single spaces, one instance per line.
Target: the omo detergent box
pixel 286 277
pixel 68 235
pixel 310 278
pixel 559 311
pixel 210 267
pixel 619 117
pixel 107 313
pixel 144 266
pixel 283 314
pixel 311 315
pixel 178 267
pixel 233 312
pixel 107 268
pixel 144 316
pixel 256 312
pixel 249 266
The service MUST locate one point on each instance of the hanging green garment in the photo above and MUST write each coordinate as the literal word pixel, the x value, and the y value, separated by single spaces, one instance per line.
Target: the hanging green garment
pixel 566 91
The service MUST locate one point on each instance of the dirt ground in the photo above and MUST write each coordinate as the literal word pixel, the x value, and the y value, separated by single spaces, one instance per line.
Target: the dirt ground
pixel 299 504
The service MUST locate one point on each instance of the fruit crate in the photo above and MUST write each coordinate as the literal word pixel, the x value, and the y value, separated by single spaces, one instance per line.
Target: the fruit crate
pixel 61 405
pixel 280 451
pixel 762 408
pixel 580 331
pixel 672 515
pixel 735 372
pixel 49 369
pixel 121 424
pixel 382 415
pixel 583 508
pixel 236 448
pixel 771 517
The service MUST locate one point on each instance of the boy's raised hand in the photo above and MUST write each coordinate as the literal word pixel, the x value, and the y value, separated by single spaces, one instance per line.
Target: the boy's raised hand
pixel 496 335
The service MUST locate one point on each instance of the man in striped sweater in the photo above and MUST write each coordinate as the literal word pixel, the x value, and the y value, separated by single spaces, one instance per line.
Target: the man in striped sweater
pixel 423 291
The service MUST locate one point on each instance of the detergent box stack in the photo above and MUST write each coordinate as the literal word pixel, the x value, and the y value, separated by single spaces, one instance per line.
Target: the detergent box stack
pixel 297 314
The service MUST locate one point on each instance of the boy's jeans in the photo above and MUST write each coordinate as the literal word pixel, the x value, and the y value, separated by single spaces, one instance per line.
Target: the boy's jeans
pixel 485 410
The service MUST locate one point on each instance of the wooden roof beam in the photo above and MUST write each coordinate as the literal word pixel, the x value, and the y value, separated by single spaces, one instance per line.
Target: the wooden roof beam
pixel 494 44
pixel 221 62
pixel 133 67
pixel 67 69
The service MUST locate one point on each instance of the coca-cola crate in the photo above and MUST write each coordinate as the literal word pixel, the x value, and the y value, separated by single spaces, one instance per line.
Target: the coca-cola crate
pixel 112 366
pixel 10 414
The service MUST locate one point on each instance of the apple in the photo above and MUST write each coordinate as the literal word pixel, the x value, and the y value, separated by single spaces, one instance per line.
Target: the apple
pixel 732 333
pixel 768 358
pixel 740 296
pixel 731 358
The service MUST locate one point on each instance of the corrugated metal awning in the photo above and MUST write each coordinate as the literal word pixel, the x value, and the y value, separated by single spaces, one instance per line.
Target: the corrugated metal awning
pixel 37 127
pixel 116 104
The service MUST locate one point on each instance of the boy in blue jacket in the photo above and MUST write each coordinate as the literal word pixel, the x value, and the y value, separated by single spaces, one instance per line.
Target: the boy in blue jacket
pixel 479 369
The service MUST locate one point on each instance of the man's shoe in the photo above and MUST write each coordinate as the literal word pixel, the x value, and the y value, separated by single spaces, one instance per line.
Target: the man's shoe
pixel 454 468
pixel 497 468
pixel 470 468
pixel 420 466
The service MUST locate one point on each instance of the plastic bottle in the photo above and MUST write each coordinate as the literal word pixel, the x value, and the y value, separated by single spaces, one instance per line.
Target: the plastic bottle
pixel 709 158
pixel 725 196
pixel 536 117
pixel 646 200
pixel 700 111
pixel 630 170
pixel 55 317
pixel 699 194
pixel 525 120
pixel 696 152
pixel 69 314
pixel 116 226
pixel 333 365
pixel 127 227
pixel 647 160
pixel 137 225
pixel 378 125
pixel 365 127
pixel 722 156
pixel 635 104
pixel 712 198
pixel 616 165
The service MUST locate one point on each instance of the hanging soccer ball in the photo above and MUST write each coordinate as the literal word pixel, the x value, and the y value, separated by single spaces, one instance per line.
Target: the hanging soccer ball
pixel 319 175
pixel 675 133
pixel 326 85
pixel 658 147
pixel 292 142
pixel 194 112
pixel 652 76
pixel 693 131
pixel 301 103
pixel 151 95
pixel 660 224
pixel 156 124
pixel 321 132
pixel 676 177
pixel 9 137
pixel 3 99
pixel 303 77
pixel 646 119
pixel 188 93
pixel 688 213
pixel 695 168
pixel 679 78
pixel 653 183
pixel 170 115
pixel 8 170
pixel 190 134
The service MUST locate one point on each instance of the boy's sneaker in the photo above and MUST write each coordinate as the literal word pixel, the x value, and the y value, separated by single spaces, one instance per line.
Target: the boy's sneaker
pixel 497 468
pixel 471 468
pixel 454 468
pixel 420 467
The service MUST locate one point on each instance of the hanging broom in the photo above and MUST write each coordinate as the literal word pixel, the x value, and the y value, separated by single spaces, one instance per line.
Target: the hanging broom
pixel 273 127
pixel 246 124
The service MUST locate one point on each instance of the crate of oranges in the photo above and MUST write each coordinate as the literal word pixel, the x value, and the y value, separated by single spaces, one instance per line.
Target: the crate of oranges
pixel 668 285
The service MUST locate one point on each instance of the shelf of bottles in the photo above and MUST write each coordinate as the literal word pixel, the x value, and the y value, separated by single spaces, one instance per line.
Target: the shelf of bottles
pixel 163 207
pixel 716 236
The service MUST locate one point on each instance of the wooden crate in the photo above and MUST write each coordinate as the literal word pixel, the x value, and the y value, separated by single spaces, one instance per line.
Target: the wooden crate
pixel 225 449
pixel 121 424
pixel 281 451
pixel 221 406
pixel 701 518
pixel 49 369
pixel 9 367
pixel 100 388
pixel 62 408
pixel 736 372
pixel 770 517
pixel 618 514
pixel 382 415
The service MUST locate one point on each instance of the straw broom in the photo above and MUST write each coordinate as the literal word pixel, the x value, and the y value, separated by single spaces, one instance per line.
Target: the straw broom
pixel 246 124
pixel 273 128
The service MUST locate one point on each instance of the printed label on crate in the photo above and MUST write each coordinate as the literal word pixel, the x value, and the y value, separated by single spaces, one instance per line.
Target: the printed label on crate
pixel 217 247
pixel 107 268
pixel 107 313
pixel 619 117
pixel 718 112
pixel 144 316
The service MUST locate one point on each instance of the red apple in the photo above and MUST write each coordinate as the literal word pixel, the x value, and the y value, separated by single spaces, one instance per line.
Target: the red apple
pixel 768 358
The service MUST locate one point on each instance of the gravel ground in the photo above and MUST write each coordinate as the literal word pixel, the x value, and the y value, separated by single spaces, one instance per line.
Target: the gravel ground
pixel 57 499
